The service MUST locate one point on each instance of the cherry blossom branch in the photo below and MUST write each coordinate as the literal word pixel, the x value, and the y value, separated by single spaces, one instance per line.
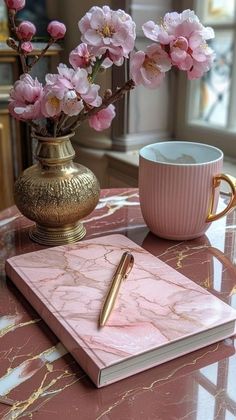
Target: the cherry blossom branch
pixel 107 100
pixel 97 66
pixel 33 125
pixel 36 129
pixel 62 120
pixel 43 132
pixel 12 44
pixel 26 67
pixel 42 53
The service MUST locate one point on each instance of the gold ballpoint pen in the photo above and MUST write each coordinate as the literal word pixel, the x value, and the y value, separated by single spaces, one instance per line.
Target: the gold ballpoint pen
pixel 122 271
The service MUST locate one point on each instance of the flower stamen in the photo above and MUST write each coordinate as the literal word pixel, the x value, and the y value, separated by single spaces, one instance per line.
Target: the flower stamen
pixel 151 66
pixel 54 102
pixel 106 31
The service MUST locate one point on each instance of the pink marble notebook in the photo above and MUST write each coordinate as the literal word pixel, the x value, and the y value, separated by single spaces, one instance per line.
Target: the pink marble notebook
pixel 159 315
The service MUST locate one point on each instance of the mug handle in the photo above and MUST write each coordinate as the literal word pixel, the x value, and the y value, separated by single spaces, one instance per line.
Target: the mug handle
pixel 231 181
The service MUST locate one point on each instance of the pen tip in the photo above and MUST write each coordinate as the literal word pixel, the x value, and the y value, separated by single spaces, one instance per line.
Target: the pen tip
pixel 102 319
pixel 101 323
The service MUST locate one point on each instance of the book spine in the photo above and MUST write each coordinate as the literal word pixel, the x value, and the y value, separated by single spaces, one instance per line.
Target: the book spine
pixel 57 327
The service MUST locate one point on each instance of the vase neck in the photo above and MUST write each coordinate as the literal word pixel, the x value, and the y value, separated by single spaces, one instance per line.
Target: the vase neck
pixel 54 150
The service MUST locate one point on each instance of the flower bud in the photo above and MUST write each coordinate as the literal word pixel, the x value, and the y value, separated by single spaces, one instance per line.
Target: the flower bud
pixel 15 4
pixel 26 30
pixel 56 29
pixel 26 47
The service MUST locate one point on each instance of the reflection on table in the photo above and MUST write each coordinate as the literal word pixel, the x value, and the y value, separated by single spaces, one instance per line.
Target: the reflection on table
pixel 39 379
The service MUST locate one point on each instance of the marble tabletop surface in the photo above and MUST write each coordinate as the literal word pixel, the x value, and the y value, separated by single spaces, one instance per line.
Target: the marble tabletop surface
pixel 40 380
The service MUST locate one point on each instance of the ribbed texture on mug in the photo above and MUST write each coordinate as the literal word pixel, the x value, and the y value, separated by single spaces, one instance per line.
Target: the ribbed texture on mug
pixel 175 198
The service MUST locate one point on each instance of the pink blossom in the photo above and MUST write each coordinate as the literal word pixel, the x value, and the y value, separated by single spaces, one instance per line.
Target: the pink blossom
pixel 81 57
pixel 102 119
pixel 78 80
pixel 174 25
pixel 184 37
pixel 67 91
pixel 25 98
pixel 108 31
pixel 26 30
pixel 56 29
pixel 108 38
pixel 179 53
pixel 157 33
pixel 91 97
pixel 15 4
pixel 51 105
pixel 199 68
pixel 148 68
pixel 26 47
pixel 71 105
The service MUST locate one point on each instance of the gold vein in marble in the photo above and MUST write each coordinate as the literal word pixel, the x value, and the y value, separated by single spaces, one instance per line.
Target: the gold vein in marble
pixel 15 376
pixel 207 283
pixel 112 205
pixel 49 367
pixel 181 255
pixel 7 353
pixel 14 327
pixel 19 407
pixel 233 291
pixel 136 391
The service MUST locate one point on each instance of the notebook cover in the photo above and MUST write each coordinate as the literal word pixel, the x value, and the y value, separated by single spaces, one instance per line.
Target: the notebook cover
pixel 156 305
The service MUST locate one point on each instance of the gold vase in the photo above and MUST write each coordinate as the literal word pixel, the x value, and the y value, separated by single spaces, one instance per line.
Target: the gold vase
pixel 56 193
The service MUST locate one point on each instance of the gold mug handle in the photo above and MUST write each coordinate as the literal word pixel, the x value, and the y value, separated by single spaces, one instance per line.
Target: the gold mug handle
pixel 231 181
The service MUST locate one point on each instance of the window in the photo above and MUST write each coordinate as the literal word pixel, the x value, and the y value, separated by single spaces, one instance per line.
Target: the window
pixel 207 107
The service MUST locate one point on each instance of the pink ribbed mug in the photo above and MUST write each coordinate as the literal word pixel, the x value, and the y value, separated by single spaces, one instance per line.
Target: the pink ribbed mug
pixel 179 188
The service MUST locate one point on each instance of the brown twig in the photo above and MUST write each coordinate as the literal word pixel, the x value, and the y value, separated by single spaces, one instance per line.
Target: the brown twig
pixel 55 128
pixel 26 67
pixel 61 122
pixel 34 125
pixel 105 103
pixel 42 53
pixel 12 44
pixel 37 130
pixel 13 29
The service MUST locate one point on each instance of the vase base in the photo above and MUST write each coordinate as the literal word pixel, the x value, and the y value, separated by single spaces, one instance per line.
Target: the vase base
pixel 57 236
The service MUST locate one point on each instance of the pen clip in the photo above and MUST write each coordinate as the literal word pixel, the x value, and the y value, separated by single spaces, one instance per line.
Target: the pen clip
pixel 130 263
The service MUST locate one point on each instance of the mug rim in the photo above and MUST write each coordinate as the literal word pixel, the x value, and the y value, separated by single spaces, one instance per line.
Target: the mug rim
pixel 206 146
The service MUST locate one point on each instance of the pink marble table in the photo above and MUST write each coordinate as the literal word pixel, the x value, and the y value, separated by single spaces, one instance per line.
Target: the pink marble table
pixel 42 381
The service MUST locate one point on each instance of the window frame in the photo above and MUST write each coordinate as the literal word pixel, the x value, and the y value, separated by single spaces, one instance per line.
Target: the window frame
pixel 198 131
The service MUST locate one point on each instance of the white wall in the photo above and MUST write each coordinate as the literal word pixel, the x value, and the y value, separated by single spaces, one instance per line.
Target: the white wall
pixel 149 109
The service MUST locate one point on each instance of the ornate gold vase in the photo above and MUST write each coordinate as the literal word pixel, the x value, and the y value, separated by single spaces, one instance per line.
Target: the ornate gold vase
pixel 56 193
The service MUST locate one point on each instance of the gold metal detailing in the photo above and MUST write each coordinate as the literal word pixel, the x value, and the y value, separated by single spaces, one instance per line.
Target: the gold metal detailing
pixel 56 193
pixel 124 267
pixel 231 181
pixel 67 234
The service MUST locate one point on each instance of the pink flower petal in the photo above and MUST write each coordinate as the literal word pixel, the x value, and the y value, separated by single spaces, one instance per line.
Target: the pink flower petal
pixel 102 119
pixel 178 55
